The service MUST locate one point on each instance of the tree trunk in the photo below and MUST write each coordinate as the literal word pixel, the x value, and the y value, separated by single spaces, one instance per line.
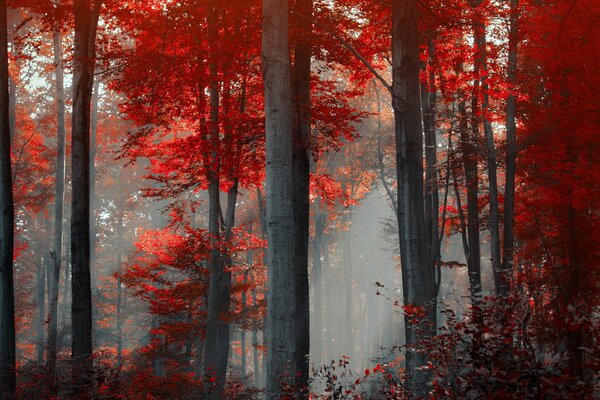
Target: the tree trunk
pixel 281 313
pixel 432 201
pixel 243 329
pixel 40 302
pixel 301 179
pixel 216 262
pixel 418 280
pixel 93 150
pixel 469 156
pixel 59 197
pixel 7 300
pixel 317 284
pixel 120 303
pixel 511 153
pixel 348 337
pixel 330 316
pixel 481 69
pixel 86 21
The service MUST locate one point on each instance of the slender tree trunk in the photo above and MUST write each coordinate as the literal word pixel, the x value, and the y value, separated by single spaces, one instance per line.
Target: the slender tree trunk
pixel 93 151
pixel 511 152
pixel 59 196
pixel 330 315
pixel 263 231
pixel 432 202
pixel 469 156
pixel 158 363
pixel 216 261
pixel 40 302
pixel 243 329
pixel 281 318
pixel 461 214
pixel 120 303
pixel 7 300
pixel 347 265
pixel 481 69
pixel 418 280
pixel 301 178
pixel 86 21
pixel 317 284
pixel 223 338
pixel 255 345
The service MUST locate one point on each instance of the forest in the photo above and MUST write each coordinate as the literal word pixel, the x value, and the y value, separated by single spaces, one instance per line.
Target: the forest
pixel 299 199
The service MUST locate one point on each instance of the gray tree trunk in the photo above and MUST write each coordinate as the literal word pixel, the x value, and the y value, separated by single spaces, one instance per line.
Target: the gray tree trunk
pixel 281 316
pixel 40 302
pixel 481 68
pixel 120 302
pixel 7 299
pixel 86 21
pixel 470 158
pixel 317 284
pixel 59 197
pixel 93 151
pixel 511 152
pixel 418 280
pixel 348 337
pixel 214 228
pixel 301 179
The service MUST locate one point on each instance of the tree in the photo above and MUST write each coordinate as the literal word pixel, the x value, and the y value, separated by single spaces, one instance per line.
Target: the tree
pixel 301 182
pixel 7 301
pixel 86 21
pixel 418 280
pixel 59 194
pixel 281 335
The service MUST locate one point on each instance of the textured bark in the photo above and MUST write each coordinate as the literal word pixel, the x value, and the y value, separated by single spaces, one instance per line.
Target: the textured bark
pixel 224 330
pixel 281 316
pixel 470 157
pixel 243 364
pixel 7 300
pixel 93 149
pixel 86 21
pixel 511 153
pixel 432 201
pixel 301 178
pixel 120 299
pixel 255 344
pixel 418 280
pixel 59 196
pixel 320 219
pixel 40 302
pixel 481 69
pixel 348 335
pixel 461 213
pixel 214 228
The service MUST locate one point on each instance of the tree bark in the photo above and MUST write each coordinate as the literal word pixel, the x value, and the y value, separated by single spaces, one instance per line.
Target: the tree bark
pixel 470 157
pixel 511 152
pixel 214 228
pixel 7 300
pixel 301 179
pixel 93 151
pixel 432 202
pixel 348 337
pixel 480 69
pixel 59 196
pixel 281 316
pixel 418 280
pixel 86 21
pixel 40 302
pixel 317 284
pixel 120 302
